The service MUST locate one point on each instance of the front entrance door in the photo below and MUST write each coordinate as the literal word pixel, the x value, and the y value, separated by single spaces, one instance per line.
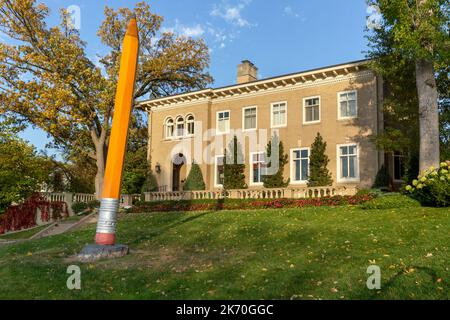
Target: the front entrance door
pixel 176 177
pixel 177 164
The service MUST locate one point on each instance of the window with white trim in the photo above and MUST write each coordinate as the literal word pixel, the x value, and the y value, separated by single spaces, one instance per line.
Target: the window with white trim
pixel 250 118
pixel 311 110
pixel 190 123
pixel 223 122
pixel 258 166
pixel 348 162
pixel 219 171
pixel 348 105
pixel 300 165
pixel 279 114
pixel 169 128
pixel 180 127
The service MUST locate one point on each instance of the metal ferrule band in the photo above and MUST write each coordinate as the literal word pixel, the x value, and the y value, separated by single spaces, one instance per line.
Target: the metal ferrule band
pixel 107 215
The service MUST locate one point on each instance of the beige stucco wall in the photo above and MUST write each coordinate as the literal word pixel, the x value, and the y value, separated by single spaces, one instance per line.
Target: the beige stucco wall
pixel 294 135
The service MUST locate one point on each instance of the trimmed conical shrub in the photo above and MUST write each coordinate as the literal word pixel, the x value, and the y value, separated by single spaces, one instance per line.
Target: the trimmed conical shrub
pixel 194 181
pixel 319 176
pixel 234 167
pixel 276 180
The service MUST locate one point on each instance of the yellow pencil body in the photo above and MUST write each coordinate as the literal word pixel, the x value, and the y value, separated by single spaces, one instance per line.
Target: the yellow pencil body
pixel 118 139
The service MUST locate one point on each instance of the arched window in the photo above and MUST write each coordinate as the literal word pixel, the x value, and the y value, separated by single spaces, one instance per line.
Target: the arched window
pixel 169 128
pixel 180 127
pixel 190 124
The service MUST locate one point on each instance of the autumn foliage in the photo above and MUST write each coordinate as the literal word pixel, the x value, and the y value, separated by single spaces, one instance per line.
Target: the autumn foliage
pixel 48 79
pixel 24 216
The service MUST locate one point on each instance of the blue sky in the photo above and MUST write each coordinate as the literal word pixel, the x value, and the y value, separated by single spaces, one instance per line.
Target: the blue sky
pixel 280 37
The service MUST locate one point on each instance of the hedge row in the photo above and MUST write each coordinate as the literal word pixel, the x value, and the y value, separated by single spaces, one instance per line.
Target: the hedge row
pixel 245 204
pixel 79 207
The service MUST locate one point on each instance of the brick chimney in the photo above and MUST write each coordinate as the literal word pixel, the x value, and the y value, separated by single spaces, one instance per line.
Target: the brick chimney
pixel 247 72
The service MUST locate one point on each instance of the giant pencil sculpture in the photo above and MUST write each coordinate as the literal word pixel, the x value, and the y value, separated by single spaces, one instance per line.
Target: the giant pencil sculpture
pixel 106 226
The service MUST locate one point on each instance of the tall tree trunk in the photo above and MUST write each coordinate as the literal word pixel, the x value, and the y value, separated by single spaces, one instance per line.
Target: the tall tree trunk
pixel 99 176
pixel 101 152
pixel 428 115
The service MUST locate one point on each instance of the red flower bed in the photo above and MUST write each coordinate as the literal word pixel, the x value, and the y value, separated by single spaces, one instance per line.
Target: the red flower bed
pixel 231 204
pixel 24 216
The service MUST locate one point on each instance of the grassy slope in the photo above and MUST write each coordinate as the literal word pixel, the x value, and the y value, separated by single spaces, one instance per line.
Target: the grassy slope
pixel 23 234
pixel 267 254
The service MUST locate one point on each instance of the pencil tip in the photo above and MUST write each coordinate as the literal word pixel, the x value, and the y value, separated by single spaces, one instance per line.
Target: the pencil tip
pixel 132 29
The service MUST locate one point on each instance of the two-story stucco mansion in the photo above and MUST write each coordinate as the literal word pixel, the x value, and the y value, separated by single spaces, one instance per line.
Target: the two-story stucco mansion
pixel 341 102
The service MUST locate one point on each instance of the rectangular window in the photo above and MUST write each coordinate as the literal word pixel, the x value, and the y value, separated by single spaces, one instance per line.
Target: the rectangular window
pixel 300 165
pixel 258 165
pixel 250 118
pixel 223 122
pixel 279 114
pixel 348 162
pixel 399 167
pixel 311 110
pixel 219 174
pixel 348 106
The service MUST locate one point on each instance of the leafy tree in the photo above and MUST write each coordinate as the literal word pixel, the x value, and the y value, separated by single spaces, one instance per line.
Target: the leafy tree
pixel 417 32
pixel 133 182
pixel 136 166
pixel 443 83
pixel 56 182
pixel 234 167
pixel 319 176
pixel 276 180
pixel 22 171
pixel 80 173
pixel 151 184
pixel 194 181
pixel 47 78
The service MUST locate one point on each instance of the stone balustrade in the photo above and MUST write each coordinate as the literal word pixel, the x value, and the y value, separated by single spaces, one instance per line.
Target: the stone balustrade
pixel 83 197
pixel 290 193
pixel 126 200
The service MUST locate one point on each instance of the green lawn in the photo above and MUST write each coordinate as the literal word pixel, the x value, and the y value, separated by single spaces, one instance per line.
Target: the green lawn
pixel 312 253
pixel 23 234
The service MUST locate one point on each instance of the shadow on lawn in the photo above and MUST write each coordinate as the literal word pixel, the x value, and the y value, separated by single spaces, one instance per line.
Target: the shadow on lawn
pixel 151 234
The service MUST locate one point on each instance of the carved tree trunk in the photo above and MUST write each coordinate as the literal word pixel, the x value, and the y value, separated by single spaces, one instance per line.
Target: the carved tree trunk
pixel 428 114
pixel 101 149
pixel 101 164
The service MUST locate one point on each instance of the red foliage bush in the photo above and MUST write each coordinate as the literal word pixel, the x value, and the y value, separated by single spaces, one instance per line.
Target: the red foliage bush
pixel 24 216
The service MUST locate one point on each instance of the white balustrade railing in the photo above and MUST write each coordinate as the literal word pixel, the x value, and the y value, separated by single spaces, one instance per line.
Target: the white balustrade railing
pixel 83 197
pixel 290 193
pixel 54 197
pixel 278 193
pixel 70 198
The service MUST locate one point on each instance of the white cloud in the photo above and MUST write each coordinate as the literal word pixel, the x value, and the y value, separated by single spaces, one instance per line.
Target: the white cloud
pixel 183 30
pixel 290 12
pixel 232 13
pixel 195 31
pixel 219 37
